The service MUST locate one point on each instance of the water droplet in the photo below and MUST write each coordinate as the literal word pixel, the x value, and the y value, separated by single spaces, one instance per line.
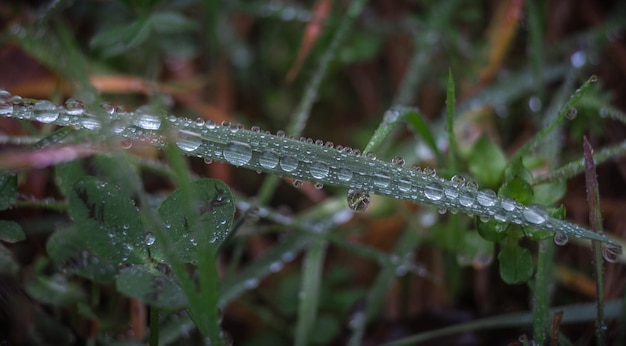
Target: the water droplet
pixel 108 107
pixel 237 153
pixel 344 174
pixel 433 191
pixel 208 160
pixel 381 180
pixel 329 145
pixel 578 59
pixel 149 117
pixel 611 252
pixel 251 283
pixel 593 78
pixel 535 214
pixel 358 201
pixel 486 198
pixel 391 116
pixel 318 185
pixel 370 155
pixel 280 133
pixel 416 168
pixel 560 238
pixel 74 107
pixel 6 108
pixel 296 183
pixel 457 180
pixel 466 198
pixel 268 159
pixel 442 210
pixel 571 113
pixel 255 129
pixel 226 123
pixel 508 204
pixel 398 161
pixel 126 143
pixel 276 267
pixel 319 170
pixel 404 185
pixel 288 163
pixel 472 185
pixel 150 239
pixel 5 95
pixel 45 111
pixel 210 124
pixel 234 127
pixel 188 141
pixel 90 123
pixel 451 191
pixel 429 171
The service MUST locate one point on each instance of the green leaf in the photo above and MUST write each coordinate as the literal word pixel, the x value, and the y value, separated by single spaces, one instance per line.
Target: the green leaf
pixel 516 168
pixel 121 38
pixel 487 162
pixel 8 190
pixel 11 232
pixel 550 193
pixel 8 265
pixel 151 286
pixel 516 264
pixel 491 230
pixel 209 220
pixel 171 22
pixel 424 130
pixel 67 174
pixel 475 250
pixel 108 221
pixel 67 251
pixel 54 290
pixel 517 189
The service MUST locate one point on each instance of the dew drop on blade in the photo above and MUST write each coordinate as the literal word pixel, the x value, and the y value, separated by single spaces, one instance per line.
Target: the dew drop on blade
pixel 150 239
pixel 296 183
pixel 381 180
pixel 535 214
pixel 611 252
pixel 288 163
pixel 188 141
pixel 433 191
pixel 237 153
pixel 358 201
pixel 560 238
pixel 319 170
pixel 268 159
pixel 74 107
pixel 148 117
pixel 486 198
pixel 344 174
pixel 45 111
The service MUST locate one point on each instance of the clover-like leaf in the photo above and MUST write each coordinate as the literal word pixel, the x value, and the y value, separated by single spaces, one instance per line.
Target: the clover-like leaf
pixel 516 264
pixel 11 232
pixel 206 218
pixel 8 190
pixel 151 286
pixel 487 162
pixel 107 221
pixel 67 250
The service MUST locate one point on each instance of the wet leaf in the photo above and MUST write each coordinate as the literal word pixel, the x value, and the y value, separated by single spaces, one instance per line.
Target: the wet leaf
pixel 516 264
pixel 108 221
pixel 209 220
pixel 121 38
pixel 8 190
pixel 550 193
pixel 67 251
pixel 487 162
pixel 491 230
pixel 11 232
pixel 54 290
pixel 517 189
pixel 8 265
pixel 151 286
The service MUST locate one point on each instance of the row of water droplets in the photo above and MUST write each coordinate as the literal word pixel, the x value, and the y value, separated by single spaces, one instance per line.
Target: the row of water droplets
pixel 302 159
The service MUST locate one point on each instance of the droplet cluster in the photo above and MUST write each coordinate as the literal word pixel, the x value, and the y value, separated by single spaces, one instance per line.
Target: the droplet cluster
pixel 303 159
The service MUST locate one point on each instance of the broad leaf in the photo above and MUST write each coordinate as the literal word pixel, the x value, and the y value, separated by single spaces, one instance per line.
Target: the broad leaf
pixel 67 250
pixel 54 290
pixel 517 189
pixel 516 264
pixel 206 218
pixel 108 221
pixel 11 232
pixel 487 162
pixel 151 286
pixel 8 190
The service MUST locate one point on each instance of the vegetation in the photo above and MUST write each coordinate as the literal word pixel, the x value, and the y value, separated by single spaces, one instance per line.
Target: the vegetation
pixel 136 207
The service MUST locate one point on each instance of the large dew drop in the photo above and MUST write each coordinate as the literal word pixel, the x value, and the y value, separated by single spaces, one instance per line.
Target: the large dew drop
pixel 46 111
pixel 358 201
pixel 188 141
pixel 148 117
pixel 381 180
pixel 237 153
pixel 74 107
pixel 535 214
pixel 319 170
pixel 486 198
pixel 268 159
pixel 433 191
pixel 560 238
pixel 344 174
pixel 611 252
pixel 288 163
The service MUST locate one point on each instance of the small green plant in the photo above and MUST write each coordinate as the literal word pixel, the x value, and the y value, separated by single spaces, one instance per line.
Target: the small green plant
pixel 164 250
